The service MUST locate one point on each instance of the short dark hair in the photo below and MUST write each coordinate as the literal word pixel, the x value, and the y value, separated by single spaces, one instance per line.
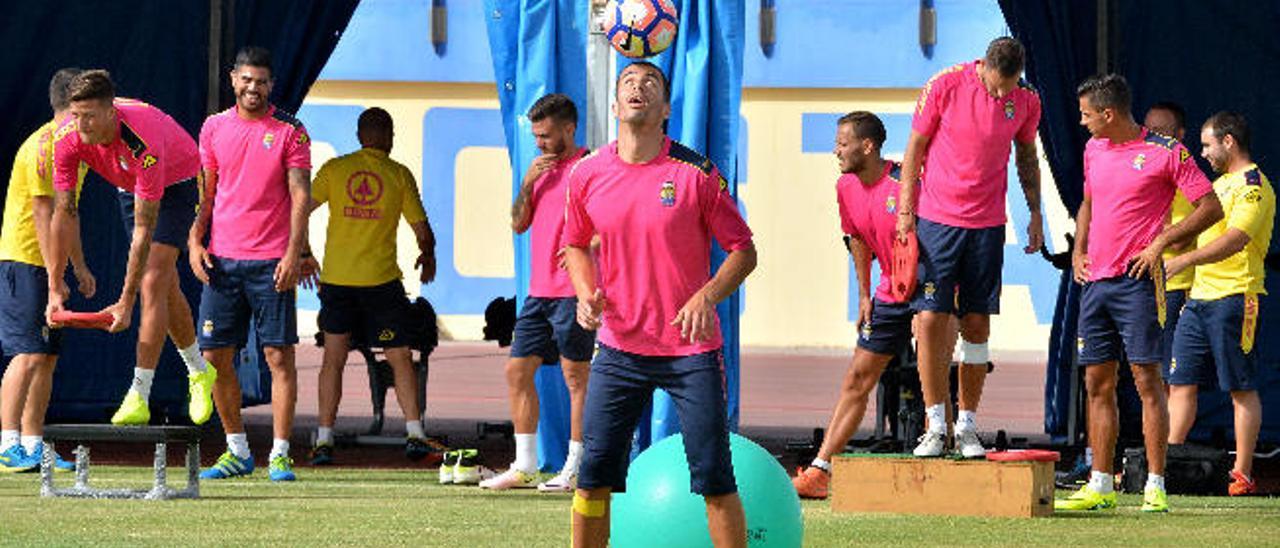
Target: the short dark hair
pixel 91 84
pixel 374 119
pixel 865 126
pixel 666 84
pixel 253 56
pixel 60 88
pixel 1006 55
pixel 1106 91
pixel 1230 123
pixel 556 106
pixel 1179 113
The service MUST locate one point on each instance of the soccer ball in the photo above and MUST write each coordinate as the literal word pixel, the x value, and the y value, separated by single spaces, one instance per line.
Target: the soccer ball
pixel 640 28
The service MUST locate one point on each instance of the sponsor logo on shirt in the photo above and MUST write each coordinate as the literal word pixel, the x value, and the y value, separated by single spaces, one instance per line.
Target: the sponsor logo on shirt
pixel 1139 161
pixel 668 194
pixel 148 161
pixel 1008 109
pixel 267 140
pixel 364 188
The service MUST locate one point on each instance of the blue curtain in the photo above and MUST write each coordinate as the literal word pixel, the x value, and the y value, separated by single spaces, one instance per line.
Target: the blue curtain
pixel 538 47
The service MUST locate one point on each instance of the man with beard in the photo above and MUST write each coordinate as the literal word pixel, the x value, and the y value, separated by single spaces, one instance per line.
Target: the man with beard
pixel 1214 344
pixel 253 215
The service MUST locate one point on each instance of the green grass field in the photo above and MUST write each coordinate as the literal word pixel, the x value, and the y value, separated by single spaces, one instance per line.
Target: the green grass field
pixel 407 507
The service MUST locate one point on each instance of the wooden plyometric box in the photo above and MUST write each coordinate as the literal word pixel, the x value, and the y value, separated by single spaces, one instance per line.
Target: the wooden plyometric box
pixel 907 485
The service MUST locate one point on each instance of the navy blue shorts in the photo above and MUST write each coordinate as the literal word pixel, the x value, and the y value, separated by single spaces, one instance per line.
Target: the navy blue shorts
pixel 238 290
pixel 548 327
pixel 959 270
pixel 619 388
pixel 1119 315
pixel 1209 348
pixel 376 315
pixel 24 292
pixel 1174 299
pixel 890 329
pixel 177 212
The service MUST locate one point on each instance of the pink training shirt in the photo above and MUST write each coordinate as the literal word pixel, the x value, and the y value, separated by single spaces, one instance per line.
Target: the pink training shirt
pixel 151 152
pixel 655 222
pixel 252 157
pixel 870 213
pixel 1131 186
pixel 546 279
pixel 966 167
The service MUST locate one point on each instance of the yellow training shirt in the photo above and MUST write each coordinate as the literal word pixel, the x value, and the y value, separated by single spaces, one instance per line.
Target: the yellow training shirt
pixel 1177 212
pixel 32 177
pixel 1249 205
pixel 367 193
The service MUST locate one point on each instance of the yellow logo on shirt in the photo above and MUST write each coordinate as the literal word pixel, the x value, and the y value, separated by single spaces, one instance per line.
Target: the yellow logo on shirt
pixel 1183 155
pixel 148 161
pixel 1139 161
pixel 386 335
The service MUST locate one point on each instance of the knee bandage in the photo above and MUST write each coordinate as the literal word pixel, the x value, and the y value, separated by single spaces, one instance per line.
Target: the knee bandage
pixel 588 508
pixel 974 353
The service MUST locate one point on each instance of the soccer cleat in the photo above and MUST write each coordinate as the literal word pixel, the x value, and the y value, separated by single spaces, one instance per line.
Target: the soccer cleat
pixel 1086 499
pixel 1074 478
pixel 467 471
pixel 281 469
pixel 968 445
pixel 511 479
pixel 15 459
pixel 200 390
pixel 447 465
pixel 1241 485
pixel 228 466
pixel 133 411
pixel 564 482
pixel 322 454
pixel 1154 499
pixel 931 444
pixel 416 449
pixel 812 483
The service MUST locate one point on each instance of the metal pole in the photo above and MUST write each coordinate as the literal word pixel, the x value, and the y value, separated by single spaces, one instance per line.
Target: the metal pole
pixel 213 102
pixel 1104 36
pixel 600 70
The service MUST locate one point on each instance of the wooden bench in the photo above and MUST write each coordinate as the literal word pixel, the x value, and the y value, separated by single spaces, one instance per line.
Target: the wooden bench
pixel 161 436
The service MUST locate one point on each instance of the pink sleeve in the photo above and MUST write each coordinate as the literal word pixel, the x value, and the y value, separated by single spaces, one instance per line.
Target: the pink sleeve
pixel 208 160
pixel 1027 133
pixel 720 212
pixel 578 228
pixel 150 182
pixel 66 160
pixel 929 105
pixel 846 224
pixel 299 153
pixel 1187 175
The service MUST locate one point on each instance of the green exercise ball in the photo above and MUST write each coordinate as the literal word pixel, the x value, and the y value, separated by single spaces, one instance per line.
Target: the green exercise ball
pixel 659 510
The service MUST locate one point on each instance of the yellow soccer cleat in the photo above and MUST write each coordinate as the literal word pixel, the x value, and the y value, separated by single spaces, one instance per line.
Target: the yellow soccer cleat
pixel 133 411
pixel 1086 499
pixel 200 389
pixel 1154 499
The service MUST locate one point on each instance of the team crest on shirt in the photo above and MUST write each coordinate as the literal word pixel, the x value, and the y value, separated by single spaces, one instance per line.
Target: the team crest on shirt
pixel 1139 161
pixel 1008 109
pixel 929 290
pixel 668 194
pixel 267 140
pixel 891 204
pixel 124 164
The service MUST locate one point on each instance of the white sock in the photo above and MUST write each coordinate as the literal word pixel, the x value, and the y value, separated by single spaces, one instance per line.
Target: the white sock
pixel 526 453
pixel 937 415
pixel 1088 456
pixel 1101 482
pixel 31 443
pixel 324 435
pixel 575 457
pixel 8 438
pixel 966 421
pixel 191 356
pixel 413 429
pixel 238 445
pixel 1155 480
pixel 279 448
pixel 821 465
pixel 142 382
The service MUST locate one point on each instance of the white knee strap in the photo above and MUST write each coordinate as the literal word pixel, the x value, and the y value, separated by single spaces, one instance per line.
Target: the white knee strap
pixel 974 353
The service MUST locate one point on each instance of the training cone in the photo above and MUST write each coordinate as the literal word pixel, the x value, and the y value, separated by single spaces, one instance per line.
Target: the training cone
pixel 659 510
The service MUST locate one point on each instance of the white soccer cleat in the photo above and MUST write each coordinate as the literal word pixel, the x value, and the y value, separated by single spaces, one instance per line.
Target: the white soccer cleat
pixel 511 479
pixel 968 445
pixel 564 482
pixel 932 444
